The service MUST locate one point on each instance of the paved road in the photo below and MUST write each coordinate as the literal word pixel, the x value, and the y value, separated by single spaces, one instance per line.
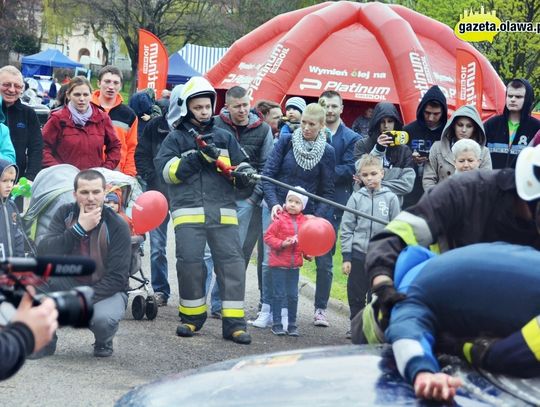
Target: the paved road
pixel 147 350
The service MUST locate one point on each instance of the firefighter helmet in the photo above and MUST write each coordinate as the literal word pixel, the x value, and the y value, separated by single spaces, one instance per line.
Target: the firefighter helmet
pixel 528 173
pixel 197 86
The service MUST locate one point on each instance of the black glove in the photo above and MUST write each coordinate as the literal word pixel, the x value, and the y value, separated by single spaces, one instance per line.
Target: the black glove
pixel 387 297
pixel 210 152
pixel 244 175
pixel 473 350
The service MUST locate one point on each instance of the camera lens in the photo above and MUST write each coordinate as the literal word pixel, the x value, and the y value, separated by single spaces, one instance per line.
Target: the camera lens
pixel 74 307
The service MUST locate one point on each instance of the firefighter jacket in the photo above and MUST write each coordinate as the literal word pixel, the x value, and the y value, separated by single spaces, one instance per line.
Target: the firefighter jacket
pixel 472 207
pixel 199 193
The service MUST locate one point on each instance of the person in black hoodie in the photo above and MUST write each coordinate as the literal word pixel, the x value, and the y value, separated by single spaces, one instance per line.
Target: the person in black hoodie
pixel 431 117
pixel 148 146
pixel 509 133
pixel 397 160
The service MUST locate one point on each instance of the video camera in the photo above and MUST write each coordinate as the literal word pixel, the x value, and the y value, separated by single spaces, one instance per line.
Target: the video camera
pixel 74 307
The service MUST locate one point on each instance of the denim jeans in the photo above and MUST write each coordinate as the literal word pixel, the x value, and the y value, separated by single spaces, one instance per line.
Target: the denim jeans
pixel 215 301
pixel 267 296
pixel 158 259
pixel 107 313
pixel 325 273
pixel 285 289
pixel 244 210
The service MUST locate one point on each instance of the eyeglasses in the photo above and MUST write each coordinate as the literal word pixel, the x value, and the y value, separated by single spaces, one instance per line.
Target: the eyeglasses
pixel 7 85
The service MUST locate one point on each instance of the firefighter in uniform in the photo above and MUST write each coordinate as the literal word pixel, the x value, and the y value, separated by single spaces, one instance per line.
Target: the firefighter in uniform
pixel 194 161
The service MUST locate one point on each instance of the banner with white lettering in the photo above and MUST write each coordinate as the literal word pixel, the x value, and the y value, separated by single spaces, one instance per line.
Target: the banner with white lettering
pixel 153 63
pixel 469 89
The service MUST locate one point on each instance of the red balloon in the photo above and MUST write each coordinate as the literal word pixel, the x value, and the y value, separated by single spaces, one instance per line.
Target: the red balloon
pixel 149 211
pixel 316 236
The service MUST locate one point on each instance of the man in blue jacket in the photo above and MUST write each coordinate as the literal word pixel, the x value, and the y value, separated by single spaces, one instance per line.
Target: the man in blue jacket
pixel 501 336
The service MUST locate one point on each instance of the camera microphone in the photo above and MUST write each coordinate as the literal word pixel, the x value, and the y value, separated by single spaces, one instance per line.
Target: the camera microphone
pixel 52 266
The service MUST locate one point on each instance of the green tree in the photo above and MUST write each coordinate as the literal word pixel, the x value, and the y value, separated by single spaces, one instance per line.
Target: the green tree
pixel 25 43
pixel 164 18
pixel 235 18
pixel 18 26
pixel 512 54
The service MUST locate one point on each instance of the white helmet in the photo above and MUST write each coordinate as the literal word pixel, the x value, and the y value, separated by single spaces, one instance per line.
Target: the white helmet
pixel 197 86
pixel 528 173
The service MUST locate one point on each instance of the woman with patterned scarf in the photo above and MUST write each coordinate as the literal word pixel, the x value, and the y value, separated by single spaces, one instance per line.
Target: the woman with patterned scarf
pixel 303 159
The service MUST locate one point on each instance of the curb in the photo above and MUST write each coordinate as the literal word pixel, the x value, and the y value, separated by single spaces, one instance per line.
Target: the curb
pixel 307 289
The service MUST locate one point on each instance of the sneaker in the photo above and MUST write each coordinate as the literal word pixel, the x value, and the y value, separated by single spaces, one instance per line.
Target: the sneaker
pixel 292 331
pixel 241 337
pixel 103 350
pixel 48 350
pixel 215 314
pixel 278 330
pixel 320 318
pixel 161 299
pixel 264 320
pixel 185 330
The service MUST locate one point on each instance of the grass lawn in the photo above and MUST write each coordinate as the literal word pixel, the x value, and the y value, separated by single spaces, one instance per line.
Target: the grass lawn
pixel 339 283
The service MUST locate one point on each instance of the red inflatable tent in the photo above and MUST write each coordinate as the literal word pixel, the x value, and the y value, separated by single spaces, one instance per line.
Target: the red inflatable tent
pixel 369 52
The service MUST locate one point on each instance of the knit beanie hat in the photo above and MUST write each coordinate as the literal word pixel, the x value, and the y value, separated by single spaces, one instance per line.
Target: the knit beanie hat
pixel 296 103
pixel 112 197
pixel 303 198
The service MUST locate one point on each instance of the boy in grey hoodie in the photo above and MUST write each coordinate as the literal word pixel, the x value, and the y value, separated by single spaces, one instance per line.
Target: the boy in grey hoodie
pixel 356 231
pixel 11 231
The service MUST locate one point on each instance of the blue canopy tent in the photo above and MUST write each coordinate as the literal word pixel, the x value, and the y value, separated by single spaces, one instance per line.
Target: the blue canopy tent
pixel 179 70
pixel 43 63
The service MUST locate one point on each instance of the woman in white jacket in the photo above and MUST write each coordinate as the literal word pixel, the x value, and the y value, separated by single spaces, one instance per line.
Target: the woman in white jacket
pixel 465 123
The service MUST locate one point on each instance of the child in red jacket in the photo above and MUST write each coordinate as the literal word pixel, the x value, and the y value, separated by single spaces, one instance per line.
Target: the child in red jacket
pixel 285 260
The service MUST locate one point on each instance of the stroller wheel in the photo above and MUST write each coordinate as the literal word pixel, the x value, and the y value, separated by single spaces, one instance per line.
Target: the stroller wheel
pixel 137 307
pixel 151 307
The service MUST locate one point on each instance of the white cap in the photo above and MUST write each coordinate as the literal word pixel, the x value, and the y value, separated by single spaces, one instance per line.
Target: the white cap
pixel 303 198
pixel 528 173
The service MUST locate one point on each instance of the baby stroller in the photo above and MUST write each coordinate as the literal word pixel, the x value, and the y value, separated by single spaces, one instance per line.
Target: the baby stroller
pixel 53 187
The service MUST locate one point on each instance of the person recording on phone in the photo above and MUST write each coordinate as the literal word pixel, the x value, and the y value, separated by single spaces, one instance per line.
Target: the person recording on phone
pixel 30 330
pixel 88 228
pixel 397 158
pixel 431 117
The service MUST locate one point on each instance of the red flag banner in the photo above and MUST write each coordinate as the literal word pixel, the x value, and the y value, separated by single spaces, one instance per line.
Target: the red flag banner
pixel 468 80
pixel 153 63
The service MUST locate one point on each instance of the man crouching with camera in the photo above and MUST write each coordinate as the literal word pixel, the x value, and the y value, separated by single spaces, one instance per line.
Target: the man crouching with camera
pixel 88 228
pixel 29 331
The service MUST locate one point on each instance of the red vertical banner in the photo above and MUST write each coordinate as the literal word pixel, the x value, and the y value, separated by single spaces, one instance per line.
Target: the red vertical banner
pixel 468 80
pixel 153 63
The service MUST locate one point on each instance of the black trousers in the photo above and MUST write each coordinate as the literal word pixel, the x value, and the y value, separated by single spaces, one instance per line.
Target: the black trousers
pixel 229 267
pixel 358 289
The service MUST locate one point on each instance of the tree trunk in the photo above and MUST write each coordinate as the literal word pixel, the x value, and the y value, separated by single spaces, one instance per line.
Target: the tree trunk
pixel 134 76
pixel 4 57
